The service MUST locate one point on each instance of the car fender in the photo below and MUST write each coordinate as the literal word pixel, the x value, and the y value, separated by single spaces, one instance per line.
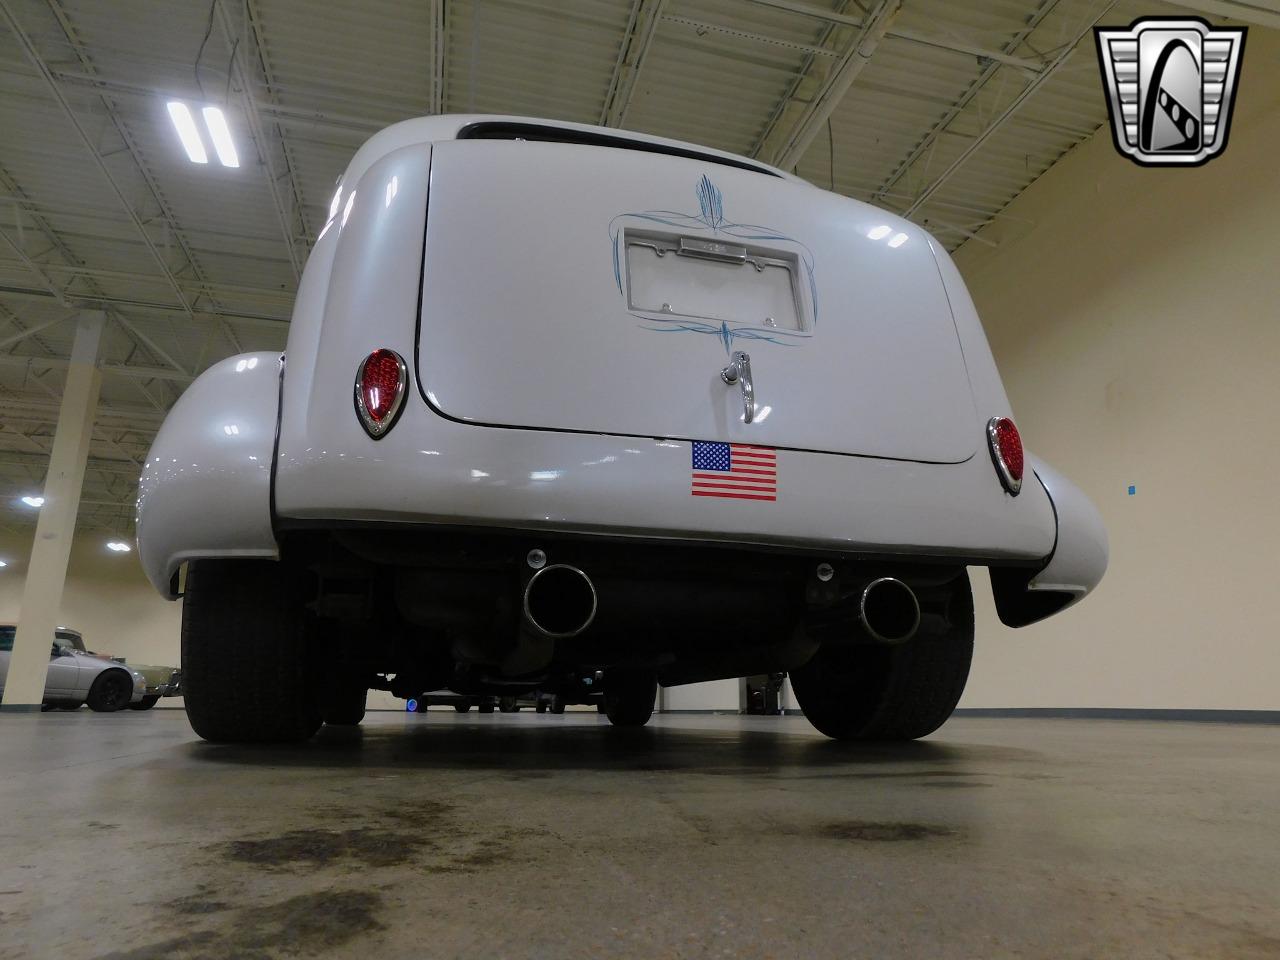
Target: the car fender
pixel 205 489
pixel 1071 571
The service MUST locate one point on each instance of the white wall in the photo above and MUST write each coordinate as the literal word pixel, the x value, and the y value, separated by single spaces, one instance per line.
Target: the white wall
pixel 1136 322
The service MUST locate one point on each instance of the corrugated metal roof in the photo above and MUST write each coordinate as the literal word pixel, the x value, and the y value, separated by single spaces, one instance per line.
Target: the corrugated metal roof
pixel 99 206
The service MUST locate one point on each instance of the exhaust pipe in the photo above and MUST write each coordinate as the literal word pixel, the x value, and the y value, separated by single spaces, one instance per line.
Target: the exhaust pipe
pixel 559 601
pixel 889 610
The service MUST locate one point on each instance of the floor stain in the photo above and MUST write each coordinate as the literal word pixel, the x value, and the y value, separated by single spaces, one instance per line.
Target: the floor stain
pixel 955 784
pixel 364 845
pixel 299 926
pixel 197 904
pixel 879 832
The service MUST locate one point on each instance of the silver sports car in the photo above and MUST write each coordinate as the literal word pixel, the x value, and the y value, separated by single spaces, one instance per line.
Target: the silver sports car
pixel 75 678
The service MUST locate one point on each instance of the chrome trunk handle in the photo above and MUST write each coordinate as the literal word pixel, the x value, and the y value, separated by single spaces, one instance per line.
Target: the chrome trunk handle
pixel 739 371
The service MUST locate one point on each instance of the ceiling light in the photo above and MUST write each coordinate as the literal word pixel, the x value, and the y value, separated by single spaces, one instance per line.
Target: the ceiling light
pixel 36 502
pixel 118 546
pixel 876 233
pixel 221 135
pixel 187 132
pixel 898 240
pixel 4 563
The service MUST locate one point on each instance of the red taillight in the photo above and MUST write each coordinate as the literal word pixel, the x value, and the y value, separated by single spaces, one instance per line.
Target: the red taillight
pixel 1006 452
pixel 380 383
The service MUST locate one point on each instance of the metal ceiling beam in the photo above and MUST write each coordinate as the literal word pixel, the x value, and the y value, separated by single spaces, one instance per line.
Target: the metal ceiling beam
pixel 791 144
pixel 32 266
pixel 641 27
pixel 948 42
pixel 439 50
pixel 958 107
pixel 90 300
pixel 257 130
pixel 157 197
pixel 131 370
pixel 702 26
pixel 1262 14
pixel 107 465
pixel 31 331
pixel 141 420
pixel 200 287
pixel 320 119
pixel 37 61
pixel 995 126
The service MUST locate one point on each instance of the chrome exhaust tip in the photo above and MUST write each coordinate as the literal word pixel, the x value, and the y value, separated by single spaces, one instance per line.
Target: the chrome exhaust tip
pixel 559 601
pixel 889 610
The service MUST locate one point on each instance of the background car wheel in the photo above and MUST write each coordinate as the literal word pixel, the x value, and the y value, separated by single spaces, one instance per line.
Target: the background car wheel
pixel 245 652
pixel 146 703
pixel 486 707
pixel 110 692
pixel 900 692
pixel 557 705
pixel 628 698
pixel 540 707
pixel 508 705
pixel 462 707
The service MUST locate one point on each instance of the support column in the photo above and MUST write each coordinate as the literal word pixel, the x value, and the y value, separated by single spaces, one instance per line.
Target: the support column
pixel 51 550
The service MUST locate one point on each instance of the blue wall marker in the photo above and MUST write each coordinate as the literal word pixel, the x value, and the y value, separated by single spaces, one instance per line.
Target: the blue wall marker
pixel 1133 489
pixel 411 706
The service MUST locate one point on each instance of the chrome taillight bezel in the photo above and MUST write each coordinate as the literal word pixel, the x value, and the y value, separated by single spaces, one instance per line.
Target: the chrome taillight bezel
pixel 1011 483
pixel 377 429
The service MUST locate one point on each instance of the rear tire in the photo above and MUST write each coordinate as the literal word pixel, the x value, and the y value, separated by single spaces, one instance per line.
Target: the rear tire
pixel 146 703
pixel 110 692
pixel 246 648
pixel 557 705
pixel 628 698
pixel 508 705
pixel 343 704
pixel 899 692
pixel 462 707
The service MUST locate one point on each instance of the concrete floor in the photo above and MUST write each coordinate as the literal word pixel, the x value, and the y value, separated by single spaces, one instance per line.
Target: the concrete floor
pixel 496 836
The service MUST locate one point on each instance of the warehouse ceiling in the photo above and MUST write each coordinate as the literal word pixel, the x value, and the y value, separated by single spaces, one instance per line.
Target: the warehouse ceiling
pixel 939 110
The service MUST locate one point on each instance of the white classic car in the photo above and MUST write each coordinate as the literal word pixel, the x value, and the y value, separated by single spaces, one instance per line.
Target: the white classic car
pixel 622 406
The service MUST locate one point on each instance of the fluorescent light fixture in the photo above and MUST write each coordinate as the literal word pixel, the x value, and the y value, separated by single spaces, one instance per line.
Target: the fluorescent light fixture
pixel 118 546
pixel 187 132
pixel 4 563
pixel 879 233
pixel 231 429
pixel 898 239
pixel 36 502
pixel 221 135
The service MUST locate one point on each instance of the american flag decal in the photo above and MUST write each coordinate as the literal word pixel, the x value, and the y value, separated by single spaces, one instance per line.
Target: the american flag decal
pixel 735 471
